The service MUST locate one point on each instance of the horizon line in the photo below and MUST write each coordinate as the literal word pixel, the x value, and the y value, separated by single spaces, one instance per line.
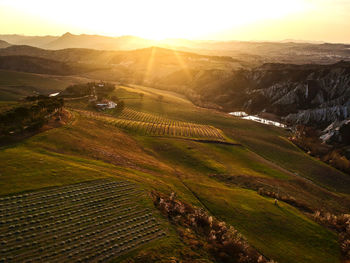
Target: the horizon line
pixel 296 41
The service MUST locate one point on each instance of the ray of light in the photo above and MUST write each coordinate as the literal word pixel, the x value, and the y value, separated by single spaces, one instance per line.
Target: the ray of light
pixel 182 64
pixel 149 65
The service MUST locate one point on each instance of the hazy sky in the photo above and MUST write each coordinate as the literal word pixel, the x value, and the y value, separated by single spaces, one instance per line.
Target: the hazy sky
pixel 327 20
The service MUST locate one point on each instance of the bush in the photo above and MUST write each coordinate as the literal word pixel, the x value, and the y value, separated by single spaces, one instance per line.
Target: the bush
pixel 285 198
pixel 224 241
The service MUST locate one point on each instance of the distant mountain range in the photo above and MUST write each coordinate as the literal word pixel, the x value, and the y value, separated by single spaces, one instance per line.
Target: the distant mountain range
pixel 257 53
pixel 69 40
pixel 35 41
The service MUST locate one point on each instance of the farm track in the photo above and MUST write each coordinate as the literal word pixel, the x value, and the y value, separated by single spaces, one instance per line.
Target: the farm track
pixel 155 125
pixel 93 221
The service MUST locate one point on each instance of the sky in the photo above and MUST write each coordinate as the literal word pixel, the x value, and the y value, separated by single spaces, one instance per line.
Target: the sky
pixel 271 20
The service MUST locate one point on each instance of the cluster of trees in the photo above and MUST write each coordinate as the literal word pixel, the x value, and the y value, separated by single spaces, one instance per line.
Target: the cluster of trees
pixel 99 89
pixel 29 116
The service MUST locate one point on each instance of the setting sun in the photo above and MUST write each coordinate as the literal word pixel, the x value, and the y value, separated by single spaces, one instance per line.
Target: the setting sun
pixel 159 19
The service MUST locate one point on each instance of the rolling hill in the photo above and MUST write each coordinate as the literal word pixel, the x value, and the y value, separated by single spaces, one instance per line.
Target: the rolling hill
pixel 39 65
pixel 202 173
pixel 16 85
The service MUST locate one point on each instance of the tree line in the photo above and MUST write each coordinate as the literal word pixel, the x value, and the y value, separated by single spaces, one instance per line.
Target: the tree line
pixel 29 115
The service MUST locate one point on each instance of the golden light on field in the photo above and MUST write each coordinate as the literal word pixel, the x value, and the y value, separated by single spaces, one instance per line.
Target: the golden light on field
pixel 159 19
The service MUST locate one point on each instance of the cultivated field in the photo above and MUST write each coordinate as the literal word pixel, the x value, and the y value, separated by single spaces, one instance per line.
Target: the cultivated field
pixel 151 124
pixel 93 221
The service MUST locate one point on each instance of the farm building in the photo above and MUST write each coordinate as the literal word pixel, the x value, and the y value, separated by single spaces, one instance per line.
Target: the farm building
pixel 106 105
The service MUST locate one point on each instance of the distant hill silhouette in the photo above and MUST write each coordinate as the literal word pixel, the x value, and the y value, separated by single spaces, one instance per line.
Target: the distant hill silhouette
pixel 4 44
pixel 254 53
pixel 69 40
pixel 36 41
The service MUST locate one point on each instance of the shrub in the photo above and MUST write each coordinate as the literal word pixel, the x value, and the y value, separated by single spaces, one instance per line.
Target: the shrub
pixel 341 224
pixel 285 198
pixel 224 241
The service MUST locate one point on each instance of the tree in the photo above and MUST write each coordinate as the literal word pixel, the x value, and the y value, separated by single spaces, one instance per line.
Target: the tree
pixel 21 112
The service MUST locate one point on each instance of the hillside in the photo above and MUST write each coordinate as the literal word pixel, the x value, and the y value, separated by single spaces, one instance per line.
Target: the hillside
pixel 40 65
pixel 222 179
pixel 17 85
pixel 137 66
pixel 165 56
pixel 305 94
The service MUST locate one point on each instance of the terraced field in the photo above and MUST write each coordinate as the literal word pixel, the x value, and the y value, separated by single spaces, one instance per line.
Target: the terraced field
pixel 151 124
pixel 93 221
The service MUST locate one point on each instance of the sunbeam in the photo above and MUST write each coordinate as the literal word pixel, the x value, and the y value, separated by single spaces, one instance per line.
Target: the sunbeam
pixel 149 65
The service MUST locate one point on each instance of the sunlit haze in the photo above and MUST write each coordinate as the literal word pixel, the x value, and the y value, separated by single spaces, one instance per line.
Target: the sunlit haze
pixel 325 20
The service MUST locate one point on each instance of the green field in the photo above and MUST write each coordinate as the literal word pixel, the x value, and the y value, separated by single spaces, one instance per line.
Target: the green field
pixel 89 148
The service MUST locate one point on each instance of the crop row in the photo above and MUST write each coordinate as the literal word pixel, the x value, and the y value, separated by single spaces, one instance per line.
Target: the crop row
pixel 89 197
pixel 58 191
pixel 149 124
pixel 94 221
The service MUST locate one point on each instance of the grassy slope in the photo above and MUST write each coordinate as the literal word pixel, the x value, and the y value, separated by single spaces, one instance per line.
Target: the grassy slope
pixel 279 232
pixel 282 233
pixel 225 159
pixel 88 149
pixel 269 142
pixel 14 85
pixel 56 157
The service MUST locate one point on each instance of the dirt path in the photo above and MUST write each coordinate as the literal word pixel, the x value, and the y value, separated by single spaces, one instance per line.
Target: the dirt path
pixel 286 171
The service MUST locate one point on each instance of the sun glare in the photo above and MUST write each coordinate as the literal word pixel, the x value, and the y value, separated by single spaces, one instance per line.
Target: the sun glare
pixel 154 19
